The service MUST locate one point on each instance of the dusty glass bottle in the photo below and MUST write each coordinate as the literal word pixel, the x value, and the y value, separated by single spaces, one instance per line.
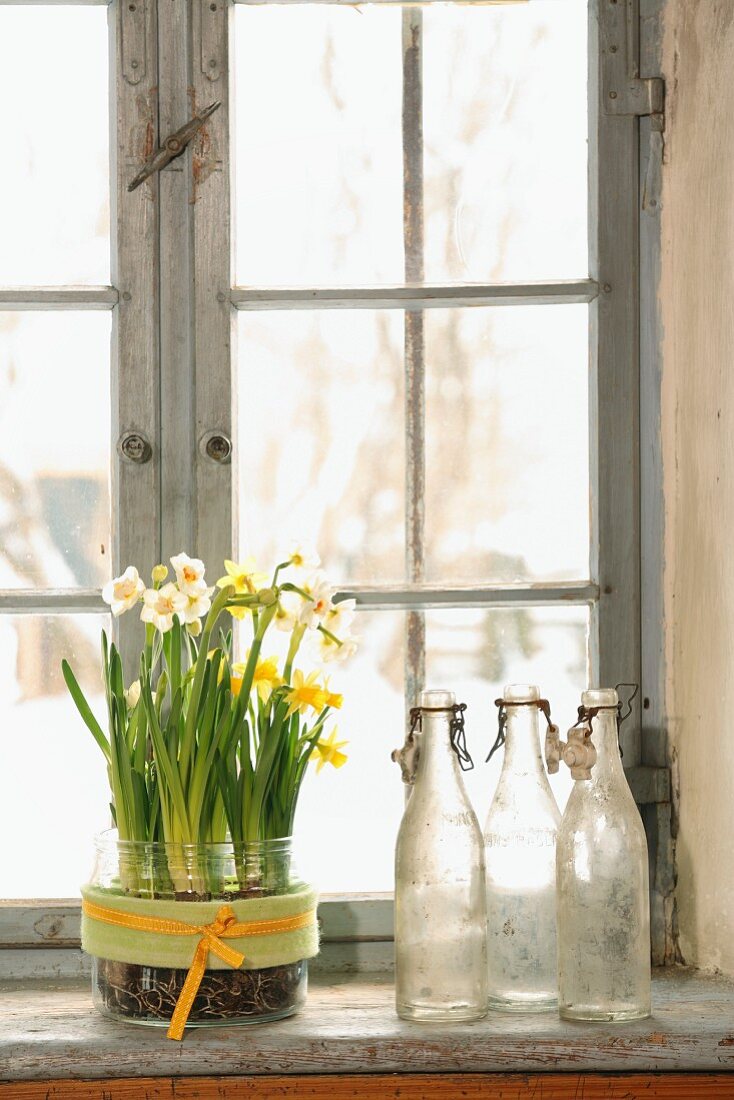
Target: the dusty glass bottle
pixel 602 868
pixel 520 859
pixel 440 914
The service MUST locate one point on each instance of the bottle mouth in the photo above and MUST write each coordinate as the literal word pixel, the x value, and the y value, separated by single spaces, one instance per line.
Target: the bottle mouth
pixel 437 700
pixel 600 697
pixel 521 693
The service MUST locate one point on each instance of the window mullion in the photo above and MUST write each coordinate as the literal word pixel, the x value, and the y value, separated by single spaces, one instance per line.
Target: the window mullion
pixel 136 469
pixel 414 344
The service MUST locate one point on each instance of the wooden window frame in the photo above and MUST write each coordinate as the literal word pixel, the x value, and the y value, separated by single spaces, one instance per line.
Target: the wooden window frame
pixel 174 309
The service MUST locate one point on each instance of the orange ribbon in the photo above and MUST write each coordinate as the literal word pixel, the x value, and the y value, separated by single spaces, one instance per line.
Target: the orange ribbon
pixel 224 926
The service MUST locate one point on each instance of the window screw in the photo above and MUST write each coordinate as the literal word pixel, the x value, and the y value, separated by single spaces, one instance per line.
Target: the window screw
pixel 131 7
pixel 212 7
pixel 213 63
pixel 221 296
pixel 607 288
pixel 612 49
pixel 126 295
pixel 135 448
pixel 217 447
pixel 608 589
pixel 612 95
pixel 133 64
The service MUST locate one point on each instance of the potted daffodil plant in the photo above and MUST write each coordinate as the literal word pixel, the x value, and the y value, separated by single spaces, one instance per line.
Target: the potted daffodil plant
pixel 194 912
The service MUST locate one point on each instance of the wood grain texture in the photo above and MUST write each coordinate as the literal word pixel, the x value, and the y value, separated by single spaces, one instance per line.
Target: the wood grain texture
pixel 349 1026
pixel 568 1086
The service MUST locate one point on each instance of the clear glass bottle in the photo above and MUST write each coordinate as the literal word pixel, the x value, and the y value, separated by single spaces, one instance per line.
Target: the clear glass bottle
pixel 520 859
pixel 440 914
pixel 603 899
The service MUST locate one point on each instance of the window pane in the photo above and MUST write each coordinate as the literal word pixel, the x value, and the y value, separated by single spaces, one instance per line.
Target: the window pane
pixel 54 449
pixel 319 143
pixel 318 146
pixel 54 188
pixel 507 460
pixel 348 819
pixel 505 132
pixel 321 438
pixel 53 783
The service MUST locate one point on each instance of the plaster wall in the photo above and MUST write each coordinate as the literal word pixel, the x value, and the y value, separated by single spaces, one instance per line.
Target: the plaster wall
pixel 697 311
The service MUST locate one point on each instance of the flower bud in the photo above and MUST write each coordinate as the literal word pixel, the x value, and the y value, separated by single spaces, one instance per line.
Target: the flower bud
pixel 194 628
pixel 267 596
pixel 132 695
pixel 159 574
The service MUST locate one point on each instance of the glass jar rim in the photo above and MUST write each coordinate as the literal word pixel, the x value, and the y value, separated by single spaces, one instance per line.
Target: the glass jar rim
pixel 107 838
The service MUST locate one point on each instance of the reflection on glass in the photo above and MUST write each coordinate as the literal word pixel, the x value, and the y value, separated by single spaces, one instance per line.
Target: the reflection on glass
pixel 54 184
pixel 507 478
pixel 505 132
pixel 54 449
pixel 53 786
pixel 318 147
pixel 347 820
pixel 475 652
pixel 319 143
pixel 321 438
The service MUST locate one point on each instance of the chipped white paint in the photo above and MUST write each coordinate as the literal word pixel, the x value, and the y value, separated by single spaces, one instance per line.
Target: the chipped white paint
pixel 698 449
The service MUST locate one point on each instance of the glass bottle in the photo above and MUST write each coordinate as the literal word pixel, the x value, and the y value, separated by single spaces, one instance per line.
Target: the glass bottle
pixel 602 865
pixel 440 914
pixel 520 858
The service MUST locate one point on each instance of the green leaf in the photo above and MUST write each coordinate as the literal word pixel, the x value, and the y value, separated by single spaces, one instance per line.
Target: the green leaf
pixel 85 710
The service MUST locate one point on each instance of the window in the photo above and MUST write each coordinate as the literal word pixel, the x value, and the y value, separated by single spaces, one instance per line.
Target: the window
pixel 376 304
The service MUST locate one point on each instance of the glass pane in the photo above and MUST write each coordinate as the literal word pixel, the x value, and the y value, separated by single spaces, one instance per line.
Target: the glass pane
pixel 53 781
pixel 505 133
pixel 318 146
pixel 54 188
pixel 319 143
pixel 347 820
pixel 472 652
pixel 475 652
pixel 54 449
pixel 321 438
pixel 507 459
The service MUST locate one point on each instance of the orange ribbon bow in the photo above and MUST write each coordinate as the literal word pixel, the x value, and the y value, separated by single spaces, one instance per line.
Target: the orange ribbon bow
pixel 224 926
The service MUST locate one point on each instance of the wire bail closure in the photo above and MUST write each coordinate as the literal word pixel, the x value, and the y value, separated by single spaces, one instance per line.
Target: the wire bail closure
pixel 542 704
pixel 409 755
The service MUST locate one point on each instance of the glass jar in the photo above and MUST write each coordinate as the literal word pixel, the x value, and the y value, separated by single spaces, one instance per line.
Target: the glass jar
pixel 603 897
pixel 520 859
pixel 440 912
pixel 195 872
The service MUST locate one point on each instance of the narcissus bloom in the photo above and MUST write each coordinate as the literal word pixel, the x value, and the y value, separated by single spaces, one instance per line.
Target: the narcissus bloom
pixel 160 605
pixel 318 605
pixel 328 650
pixel 302 556
pixel 265 679
pixel 197 606
pixel 244 580
pixel 305 692
pixel 123 592
pixel 189 574
pixel 329 752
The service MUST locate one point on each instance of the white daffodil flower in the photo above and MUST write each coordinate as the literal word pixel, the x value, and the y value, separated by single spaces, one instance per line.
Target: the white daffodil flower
pixel 189 574
pixel 318 605
pixel 197 606
pixel 340 617
pixel 289 608
pixel 160 605
pixel 123 592
pixel 132 695
pixel 328 651
pixel 303 556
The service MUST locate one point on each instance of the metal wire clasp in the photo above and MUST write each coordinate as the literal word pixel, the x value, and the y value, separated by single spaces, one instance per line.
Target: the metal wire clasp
pixel 542 704
pixel 409 755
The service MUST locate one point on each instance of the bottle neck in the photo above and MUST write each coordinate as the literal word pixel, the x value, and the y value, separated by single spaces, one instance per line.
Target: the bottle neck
pixel 605 735
pixel 522 741
pixel 437 757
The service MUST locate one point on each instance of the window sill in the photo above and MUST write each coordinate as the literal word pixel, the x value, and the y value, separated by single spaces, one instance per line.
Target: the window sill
pixel 50 1031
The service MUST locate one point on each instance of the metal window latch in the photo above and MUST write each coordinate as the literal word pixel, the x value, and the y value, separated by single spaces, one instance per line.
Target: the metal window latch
pixel 173 146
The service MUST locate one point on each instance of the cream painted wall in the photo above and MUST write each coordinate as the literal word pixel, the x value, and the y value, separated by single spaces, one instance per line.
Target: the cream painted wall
pixel 697 306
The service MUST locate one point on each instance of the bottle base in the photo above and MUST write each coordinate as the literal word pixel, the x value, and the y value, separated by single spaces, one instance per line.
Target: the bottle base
pixel 594 1014
pixel 425 1014
pixel 537 1004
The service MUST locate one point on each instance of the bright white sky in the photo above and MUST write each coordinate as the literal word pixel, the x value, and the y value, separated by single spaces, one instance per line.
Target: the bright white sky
pixel 318 201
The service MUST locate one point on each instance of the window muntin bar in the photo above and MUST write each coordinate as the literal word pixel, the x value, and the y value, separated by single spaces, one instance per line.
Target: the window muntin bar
pixel 427 296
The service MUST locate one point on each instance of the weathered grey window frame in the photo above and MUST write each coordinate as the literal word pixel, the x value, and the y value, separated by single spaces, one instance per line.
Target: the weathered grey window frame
pixel 174 310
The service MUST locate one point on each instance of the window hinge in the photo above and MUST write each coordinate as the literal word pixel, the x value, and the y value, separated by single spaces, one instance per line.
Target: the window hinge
pixel 624 91
pixel 132 29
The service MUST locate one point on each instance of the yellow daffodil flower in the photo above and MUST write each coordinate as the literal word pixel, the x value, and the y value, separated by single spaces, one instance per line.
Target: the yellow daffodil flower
pixel 244 580
pixel 265 679
pixel 329 752
pixel 305 692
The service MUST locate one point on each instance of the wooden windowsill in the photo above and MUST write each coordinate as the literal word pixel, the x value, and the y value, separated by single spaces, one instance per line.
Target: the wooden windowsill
pixel 50 1031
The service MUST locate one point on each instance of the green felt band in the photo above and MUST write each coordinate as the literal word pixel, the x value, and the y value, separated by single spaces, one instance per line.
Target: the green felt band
pixel 108 941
